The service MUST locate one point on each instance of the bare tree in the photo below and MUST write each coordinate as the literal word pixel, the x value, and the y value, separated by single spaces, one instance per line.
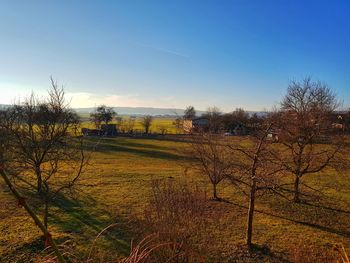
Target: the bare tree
pixel 44 150
pixel 102 114
pixel 119 120
pixel 146 123
pixel 254 170
pixel 305 131
pixel 211 158
pixel 178 123
pixel 189 113
pixel 130 124
pixel 237 117
pixel 215 119
pixel 163 129
pixel 126 125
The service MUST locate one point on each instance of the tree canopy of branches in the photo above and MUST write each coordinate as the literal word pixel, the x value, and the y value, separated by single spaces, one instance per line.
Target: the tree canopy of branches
pixel 178 123
pixel 146 123
pixel 190 113
pixel 128 124
pixel 102 114
pixel 247 163
pixel 214 116
pixel 43 151
pixel 211 158
pixel 254 170
pixel 237 117
pixel 305 131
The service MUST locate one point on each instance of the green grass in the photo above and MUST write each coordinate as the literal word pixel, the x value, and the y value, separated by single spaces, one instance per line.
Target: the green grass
pixel 158 124
pixel 116 188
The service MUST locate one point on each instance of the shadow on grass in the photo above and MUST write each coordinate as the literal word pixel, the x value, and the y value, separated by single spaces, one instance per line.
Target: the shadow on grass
pixel 24 252
pixel 84 219
pixel 327 208
pixel 328 229
pixel 136 142
pixel 145 150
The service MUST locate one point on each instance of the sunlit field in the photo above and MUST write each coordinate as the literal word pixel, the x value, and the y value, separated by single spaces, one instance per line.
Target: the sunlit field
pixel 159 124
pixel 115 189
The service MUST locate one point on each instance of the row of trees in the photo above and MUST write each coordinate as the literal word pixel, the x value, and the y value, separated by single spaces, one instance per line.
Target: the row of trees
pixel 105 115
pixel 217 120
pixel 222 122
pixel 307 144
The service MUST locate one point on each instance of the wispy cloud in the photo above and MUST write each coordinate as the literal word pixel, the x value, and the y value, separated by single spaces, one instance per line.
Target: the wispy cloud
pixel 164 50
pixel 85 99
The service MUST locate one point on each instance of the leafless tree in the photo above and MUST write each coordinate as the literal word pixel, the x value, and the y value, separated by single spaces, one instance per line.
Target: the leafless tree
pixel 163 129
pixel 232 119
pixel 126 125
pixel 178 123
pixel 189 113
pixel 215 119
pixel 119 120
pixel 305 131
pixel 44 150
pixel 146 123
pixel 211 158
pixel 130 124
pixel 254 171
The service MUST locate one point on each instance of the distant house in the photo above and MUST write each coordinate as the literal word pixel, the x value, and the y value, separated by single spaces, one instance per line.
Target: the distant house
pixel 340 121
pixel 196 125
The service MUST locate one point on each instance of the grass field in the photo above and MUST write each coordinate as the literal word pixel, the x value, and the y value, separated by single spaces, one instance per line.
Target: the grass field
pixel 158 124
pixel 116 189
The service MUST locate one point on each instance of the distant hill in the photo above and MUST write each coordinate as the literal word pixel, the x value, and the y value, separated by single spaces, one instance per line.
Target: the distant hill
pixel 141 111
pixel 138 111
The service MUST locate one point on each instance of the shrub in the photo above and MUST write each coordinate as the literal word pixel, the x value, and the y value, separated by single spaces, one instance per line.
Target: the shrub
pixel 181 216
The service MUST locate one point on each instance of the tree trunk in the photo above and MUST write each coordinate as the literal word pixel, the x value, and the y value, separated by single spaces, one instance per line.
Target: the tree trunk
pixel 39 187
pixel 296 189
pixel 215 196
pixel 39 182
pixel 37 221
pixel 46 212
pixel 46 196
pixel 251 214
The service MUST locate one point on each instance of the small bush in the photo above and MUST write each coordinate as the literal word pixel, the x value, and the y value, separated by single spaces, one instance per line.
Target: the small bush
pixel 181 216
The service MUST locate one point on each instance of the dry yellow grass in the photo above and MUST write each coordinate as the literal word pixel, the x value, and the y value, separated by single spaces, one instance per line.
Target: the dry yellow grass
pixel 116 188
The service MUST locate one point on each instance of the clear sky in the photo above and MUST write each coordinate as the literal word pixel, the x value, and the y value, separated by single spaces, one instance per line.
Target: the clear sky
pixel 173 53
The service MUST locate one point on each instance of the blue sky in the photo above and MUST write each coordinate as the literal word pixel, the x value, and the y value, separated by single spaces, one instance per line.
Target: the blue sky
pixel 173 53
